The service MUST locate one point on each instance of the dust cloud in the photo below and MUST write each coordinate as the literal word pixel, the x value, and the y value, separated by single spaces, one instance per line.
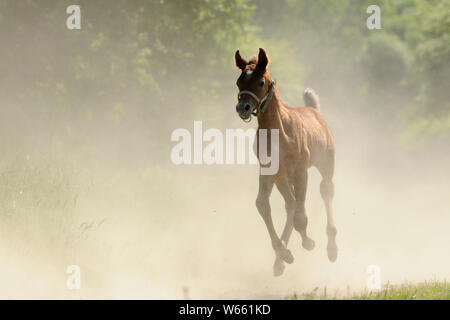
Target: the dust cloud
pixel 149 232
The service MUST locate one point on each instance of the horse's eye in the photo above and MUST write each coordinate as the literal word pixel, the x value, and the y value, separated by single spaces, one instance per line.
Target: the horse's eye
pixel 261 83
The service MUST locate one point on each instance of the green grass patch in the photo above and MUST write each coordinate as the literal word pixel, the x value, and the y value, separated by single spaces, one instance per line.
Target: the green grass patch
pixel 428 290
pixel 432 290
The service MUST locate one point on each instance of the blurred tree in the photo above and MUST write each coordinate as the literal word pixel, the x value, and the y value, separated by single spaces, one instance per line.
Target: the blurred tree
pixel 133 63
pixel 157 63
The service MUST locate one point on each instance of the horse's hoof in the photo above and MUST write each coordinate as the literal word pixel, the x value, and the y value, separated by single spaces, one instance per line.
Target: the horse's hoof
pixel 286 255
pixel 332 252
pixel 278 268
pixel 308 244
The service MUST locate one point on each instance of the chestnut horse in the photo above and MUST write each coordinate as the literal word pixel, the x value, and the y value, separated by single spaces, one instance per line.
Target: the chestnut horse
pixel 305 140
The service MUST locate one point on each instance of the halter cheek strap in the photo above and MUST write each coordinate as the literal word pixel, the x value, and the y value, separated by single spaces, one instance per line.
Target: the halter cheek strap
pixel 261 105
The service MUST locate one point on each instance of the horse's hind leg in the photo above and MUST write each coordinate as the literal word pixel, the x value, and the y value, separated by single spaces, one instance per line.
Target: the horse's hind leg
pixel 326 169
pixel 287 192
pixel 300 218
pixel 266 183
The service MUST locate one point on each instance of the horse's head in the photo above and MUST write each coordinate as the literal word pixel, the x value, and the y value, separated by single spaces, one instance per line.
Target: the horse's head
pixel 255 84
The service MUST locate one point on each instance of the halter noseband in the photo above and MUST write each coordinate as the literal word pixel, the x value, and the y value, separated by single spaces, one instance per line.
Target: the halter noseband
pixel 261 105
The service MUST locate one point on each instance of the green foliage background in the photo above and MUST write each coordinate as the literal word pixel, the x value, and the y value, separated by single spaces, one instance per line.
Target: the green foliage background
pixel 157 64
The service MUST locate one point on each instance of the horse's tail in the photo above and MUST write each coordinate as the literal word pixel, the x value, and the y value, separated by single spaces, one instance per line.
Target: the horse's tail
pixel 311 98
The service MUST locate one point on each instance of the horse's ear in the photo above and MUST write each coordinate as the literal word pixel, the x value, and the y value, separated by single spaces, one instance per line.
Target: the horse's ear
pixel 240 62
pixel 263 60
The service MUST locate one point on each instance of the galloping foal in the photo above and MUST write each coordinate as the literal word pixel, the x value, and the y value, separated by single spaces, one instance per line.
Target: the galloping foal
pixel 305 140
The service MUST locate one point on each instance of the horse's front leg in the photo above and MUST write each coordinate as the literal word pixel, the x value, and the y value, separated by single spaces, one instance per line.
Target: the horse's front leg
pixel 287 192
pixel 266 183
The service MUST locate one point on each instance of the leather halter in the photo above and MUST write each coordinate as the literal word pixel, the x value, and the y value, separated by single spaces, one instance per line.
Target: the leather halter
pixel 261 105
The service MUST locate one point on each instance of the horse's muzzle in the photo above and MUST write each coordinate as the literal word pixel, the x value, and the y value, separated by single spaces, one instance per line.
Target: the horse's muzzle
pixel 244 108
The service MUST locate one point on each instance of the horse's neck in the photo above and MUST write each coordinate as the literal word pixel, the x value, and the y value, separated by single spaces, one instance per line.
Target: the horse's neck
pixel 271 118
